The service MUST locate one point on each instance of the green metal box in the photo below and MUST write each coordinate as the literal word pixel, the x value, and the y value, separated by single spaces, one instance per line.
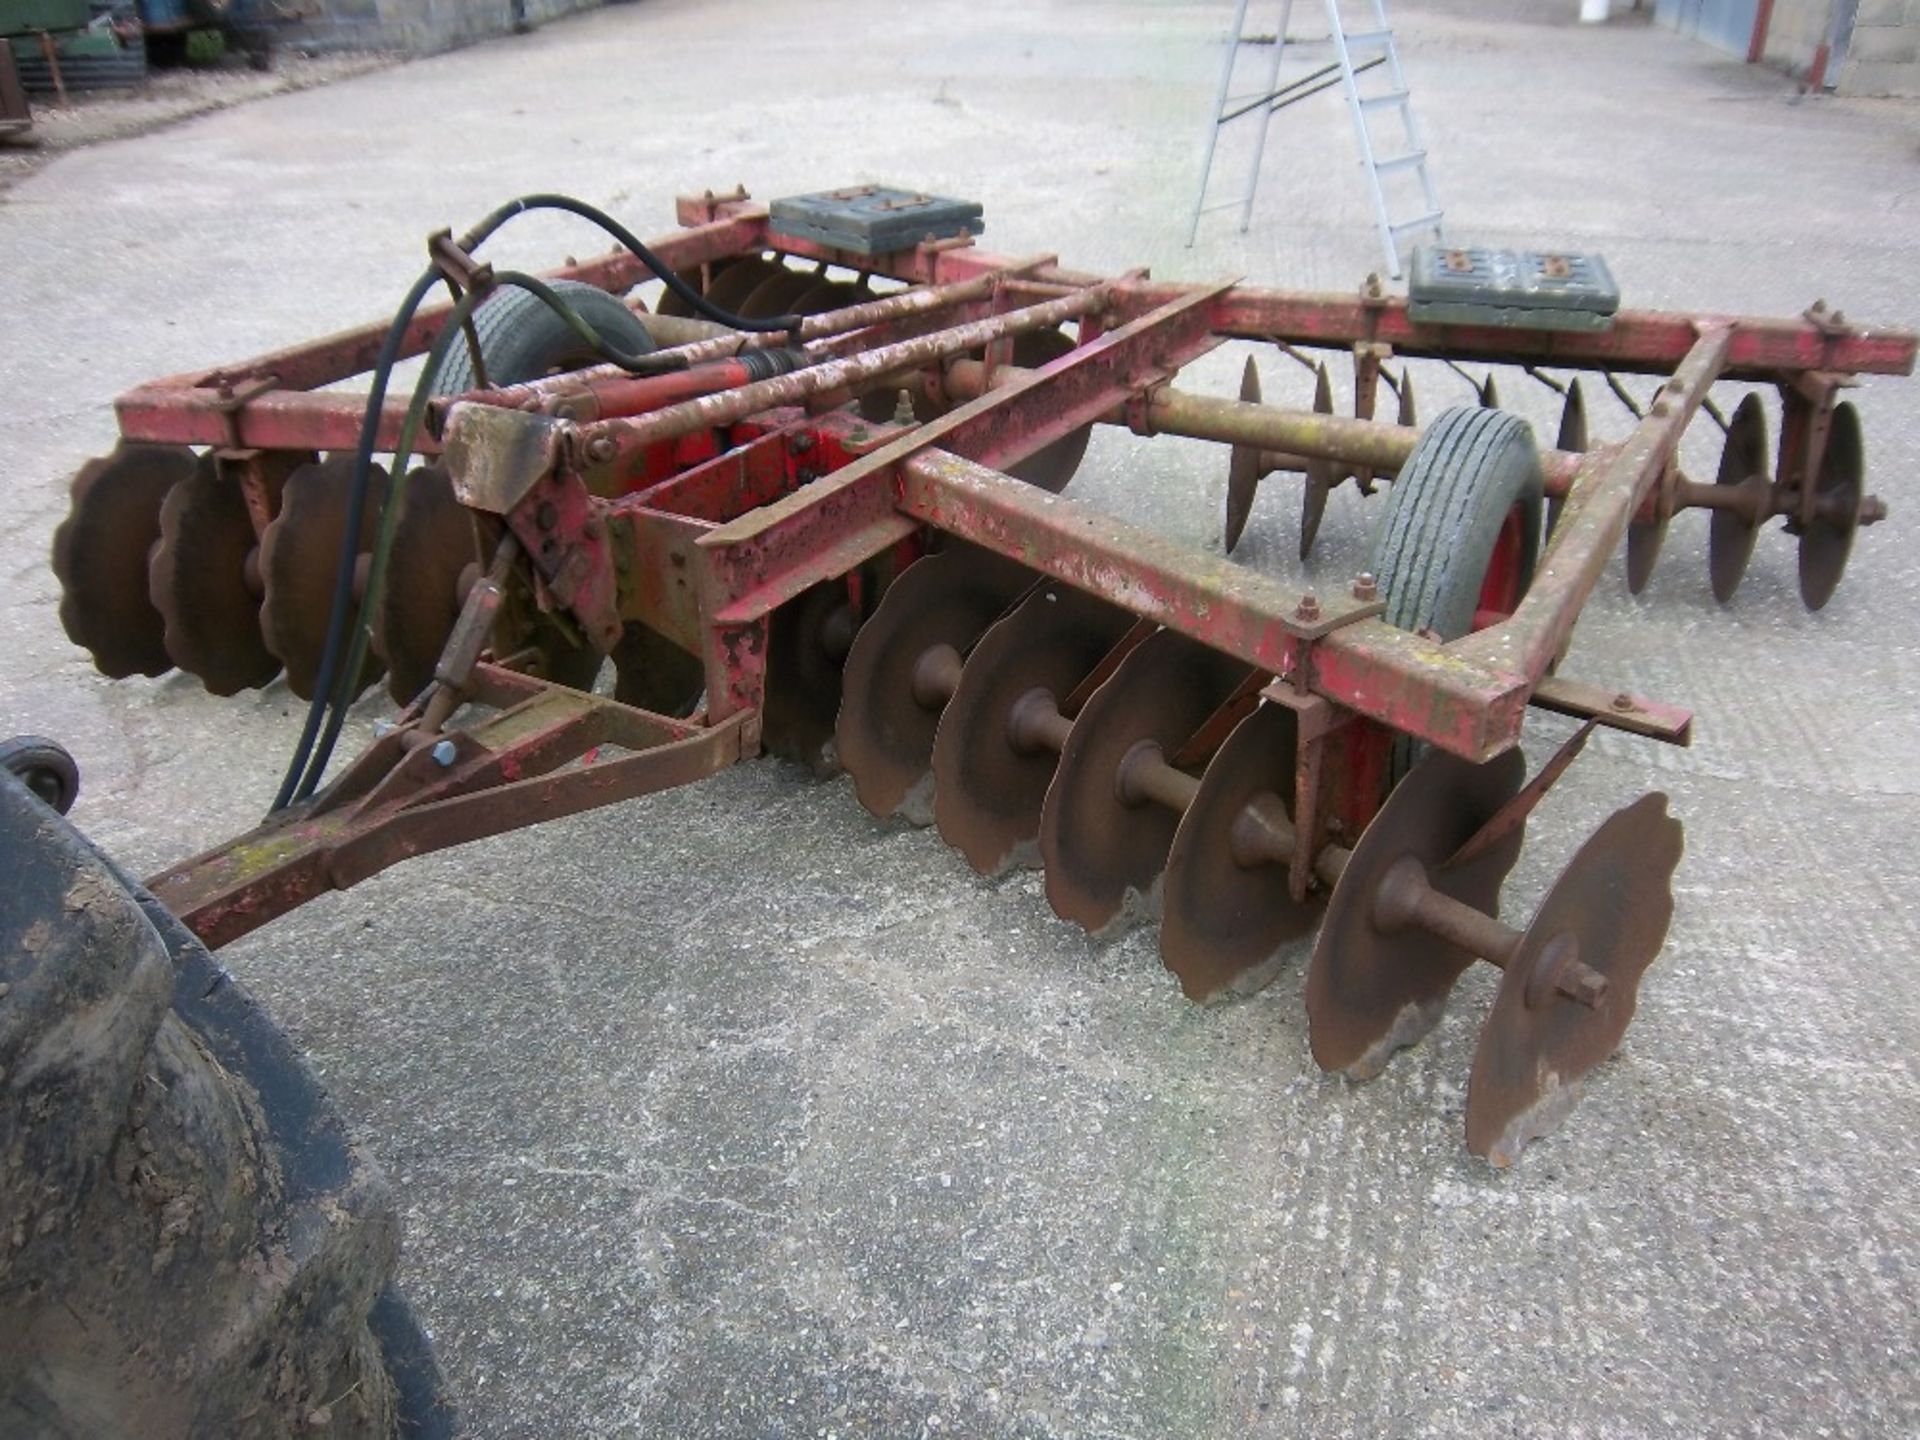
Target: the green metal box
pixel 23 17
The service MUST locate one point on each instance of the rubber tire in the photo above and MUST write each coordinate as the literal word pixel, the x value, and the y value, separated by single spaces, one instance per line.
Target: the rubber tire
pixel 197 1246
pixel 1444 514
pixel 1442 520
pixel 522 339
pixel 44 767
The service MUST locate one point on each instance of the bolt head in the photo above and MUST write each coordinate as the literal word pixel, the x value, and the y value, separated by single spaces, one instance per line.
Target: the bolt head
pixel 445 753
pixel 1623 701
pixel 1365 588
pixel 1308 609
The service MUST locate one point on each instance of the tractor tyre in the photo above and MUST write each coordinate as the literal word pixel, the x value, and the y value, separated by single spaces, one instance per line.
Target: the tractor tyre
pixel 192 1244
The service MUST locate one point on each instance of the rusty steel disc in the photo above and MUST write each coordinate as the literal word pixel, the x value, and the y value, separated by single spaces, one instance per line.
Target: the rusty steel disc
pixel 1243 465
pixel 564 659
pixel 1572 439
pixel 807 643
pixel 1644 538
pixel 100 555
pixel 650 672
pixel 1743 461
pixel 842 295
pixel 1372 991
pixel 1224 922
pixel 198 577
pixel 776 293
pixel 820 296
pixel 1099 850
pixel 737 281
pixel 299 560
pixel 1321 476
pixel 904 658
pixel 672 304
pixel 988 793
pixel 1610 910
pixel 1052 466
pixel 1827 540
pixel 433 543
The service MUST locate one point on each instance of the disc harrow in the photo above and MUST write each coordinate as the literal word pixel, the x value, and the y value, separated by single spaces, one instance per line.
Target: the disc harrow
pixel 808 505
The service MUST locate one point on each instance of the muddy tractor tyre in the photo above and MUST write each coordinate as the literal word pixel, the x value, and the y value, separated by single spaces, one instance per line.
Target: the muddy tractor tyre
pixel 45 766
pixel 521 339
pixel 1459 536
pixel 192 1245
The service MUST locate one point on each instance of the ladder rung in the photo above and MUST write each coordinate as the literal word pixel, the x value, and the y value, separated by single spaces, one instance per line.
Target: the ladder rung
pixel 1380 102
pixel 1369 37
pixel 1412 160
pixel 1406 226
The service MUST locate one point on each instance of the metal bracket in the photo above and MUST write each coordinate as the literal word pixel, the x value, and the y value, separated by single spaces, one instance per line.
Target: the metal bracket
pixel 460 268
pixel 496 456
pixel 235 397
pixel 1316 720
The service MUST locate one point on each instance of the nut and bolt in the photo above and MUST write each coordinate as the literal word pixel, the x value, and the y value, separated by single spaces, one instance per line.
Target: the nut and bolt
pixel 1624 701
pixel 1308 609
pixel 601 449
pixel 445 753
pixel 1365 588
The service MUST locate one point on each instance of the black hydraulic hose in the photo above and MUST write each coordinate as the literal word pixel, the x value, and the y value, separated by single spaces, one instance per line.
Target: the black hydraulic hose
pixel 618 232
pixel 307 764
pixel 644 362
pixel 356 511
pixel 341 701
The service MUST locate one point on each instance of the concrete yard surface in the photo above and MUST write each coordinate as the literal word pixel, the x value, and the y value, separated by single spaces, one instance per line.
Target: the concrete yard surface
pixel 733 1113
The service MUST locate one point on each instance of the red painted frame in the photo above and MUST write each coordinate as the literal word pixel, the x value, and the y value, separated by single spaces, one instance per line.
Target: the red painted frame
pixel 633 515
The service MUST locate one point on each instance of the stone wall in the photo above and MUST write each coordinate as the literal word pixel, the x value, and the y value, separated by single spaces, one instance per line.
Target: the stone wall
pixel 1883 57
pixel 417 26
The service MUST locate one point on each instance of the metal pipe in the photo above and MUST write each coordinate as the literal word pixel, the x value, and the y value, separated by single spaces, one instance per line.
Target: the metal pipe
pixel 1035 723
pixel 1288 437
pixel 710 411
pixel 1145 775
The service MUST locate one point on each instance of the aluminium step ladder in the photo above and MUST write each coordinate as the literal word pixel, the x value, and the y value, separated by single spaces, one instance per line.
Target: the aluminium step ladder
pixel 1344 56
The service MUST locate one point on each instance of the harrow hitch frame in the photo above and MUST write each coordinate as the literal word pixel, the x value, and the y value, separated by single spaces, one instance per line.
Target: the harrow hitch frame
pixel 751 486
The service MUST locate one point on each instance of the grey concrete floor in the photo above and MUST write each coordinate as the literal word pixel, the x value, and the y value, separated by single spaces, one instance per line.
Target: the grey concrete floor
pixel 732 1113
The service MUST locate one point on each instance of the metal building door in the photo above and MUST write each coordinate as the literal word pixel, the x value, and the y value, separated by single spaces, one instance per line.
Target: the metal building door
pixel 1724 24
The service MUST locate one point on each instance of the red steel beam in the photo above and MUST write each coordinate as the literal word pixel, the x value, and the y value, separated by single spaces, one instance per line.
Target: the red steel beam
pixel 1646 341
pixel 1363 664
pixel 770 555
